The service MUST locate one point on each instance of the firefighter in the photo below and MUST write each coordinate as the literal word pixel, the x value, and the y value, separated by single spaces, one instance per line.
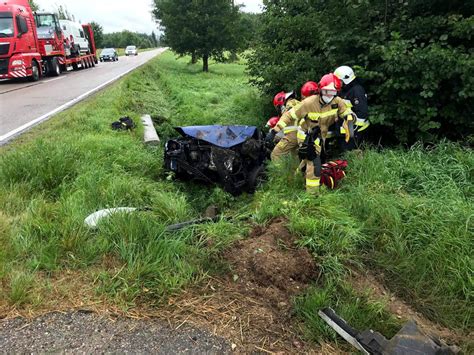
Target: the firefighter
pixel 287 143
pixel 355 97
pixel 315 114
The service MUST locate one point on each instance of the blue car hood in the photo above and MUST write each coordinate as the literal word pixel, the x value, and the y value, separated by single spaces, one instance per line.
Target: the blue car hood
pixel 221 136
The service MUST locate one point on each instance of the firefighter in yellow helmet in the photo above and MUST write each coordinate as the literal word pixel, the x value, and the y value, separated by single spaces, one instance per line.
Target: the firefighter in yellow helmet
pixel 315 114
pixel 287 128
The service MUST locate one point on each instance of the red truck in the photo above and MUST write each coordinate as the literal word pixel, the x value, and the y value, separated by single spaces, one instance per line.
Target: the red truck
pixel 33 45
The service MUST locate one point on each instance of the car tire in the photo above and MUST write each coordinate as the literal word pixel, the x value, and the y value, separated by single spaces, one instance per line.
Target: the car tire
pixel 255 178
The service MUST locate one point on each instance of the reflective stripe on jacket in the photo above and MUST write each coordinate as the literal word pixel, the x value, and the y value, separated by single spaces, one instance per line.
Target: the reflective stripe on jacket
pixel 286 120
pixel 313 113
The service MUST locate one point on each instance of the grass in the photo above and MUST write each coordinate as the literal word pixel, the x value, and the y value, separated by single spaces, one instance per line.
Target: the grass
pixel 75 164
pixel 404 214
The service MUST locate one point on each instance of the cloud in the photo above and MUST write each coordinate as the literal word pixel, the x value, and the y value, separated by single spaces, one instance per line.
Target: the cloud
pixel 118 15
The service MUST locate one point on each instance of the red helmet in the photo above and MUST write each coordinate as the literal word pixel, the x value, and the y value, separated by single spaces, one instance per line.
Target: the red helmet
pixel 309 88
pixel 330 82
pixel 272 122
pixel 279 99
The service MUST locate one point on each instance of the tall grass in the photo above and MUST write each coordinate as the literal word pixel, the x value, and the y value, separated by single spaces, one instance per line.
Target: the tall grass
pixel 404 214
pixel 75 164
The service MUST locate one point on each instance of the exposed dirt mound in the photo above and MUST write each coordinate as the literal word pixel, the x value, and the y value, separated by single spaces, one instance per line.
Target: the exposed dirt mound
pixel 251 305
pixel 268 264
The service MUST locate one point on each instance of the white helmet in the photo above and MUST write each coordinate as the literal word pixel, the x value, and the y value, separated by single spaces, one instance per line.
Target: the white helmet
pixel 345 73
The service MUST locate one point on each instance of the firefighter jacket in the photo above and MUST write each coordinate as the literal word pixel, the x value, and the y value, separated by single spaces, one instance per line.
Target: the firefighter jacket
pixel 356 98
pixel 287 125
pixel 311 113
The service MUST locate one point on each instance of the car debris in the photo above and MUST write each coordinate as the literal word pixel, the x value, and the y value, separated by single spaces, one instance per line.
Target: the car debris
pixel 150 136
pixel 231 156
pixel 93 219
pixel 409 340
pixel 123 124
pixel 178 226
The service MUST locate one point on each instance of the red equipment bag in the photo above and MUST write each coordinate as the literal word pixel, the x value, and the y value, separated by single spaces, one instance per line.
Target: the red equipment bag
pixel 332 172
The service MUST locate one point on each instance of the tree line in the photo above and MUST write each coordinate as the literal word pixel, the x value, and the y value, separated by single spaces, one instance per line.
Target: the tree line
pixel 123 38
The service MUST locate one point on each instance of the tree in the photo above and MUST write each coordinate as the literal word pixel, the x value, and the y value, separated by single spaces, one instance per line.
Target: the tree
pixel 98 33
pixel 200 28
pixel 34 6
pixel 154 39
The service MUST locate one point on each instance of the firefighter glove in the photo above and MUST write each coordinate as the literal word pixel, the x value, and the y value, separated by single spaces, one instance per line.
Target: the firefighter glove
pixel 349 128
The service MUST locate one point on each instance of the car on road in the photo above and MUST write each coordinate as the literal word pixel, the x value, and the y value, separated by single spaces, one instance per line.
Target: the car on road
pixel 108 54
pixel 131 50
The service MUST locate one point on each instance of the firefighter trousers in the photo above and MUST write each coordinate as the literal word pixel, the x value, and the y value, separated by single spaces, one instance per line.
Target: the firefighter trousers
pixel 287 145
pixel 313 173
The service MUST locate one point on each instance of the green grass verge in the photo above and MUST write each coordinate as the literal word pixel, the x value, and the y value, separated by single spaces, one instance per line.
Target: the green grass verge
pixel 406 215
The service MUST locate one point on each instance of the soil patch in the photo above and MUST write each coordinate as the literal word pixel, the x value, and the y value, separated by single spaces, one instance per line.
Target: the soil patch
pixel 252 305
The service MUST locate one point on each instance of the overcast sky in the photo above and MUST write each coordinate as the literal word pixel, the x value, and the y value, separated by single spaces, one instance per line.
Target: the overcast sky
pixel 118 15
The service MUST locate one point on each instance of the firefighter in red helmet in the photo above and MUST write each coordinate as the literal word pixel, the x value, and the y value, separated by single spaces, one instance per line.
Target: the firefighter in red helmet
pixel 315 114
pixel 287 142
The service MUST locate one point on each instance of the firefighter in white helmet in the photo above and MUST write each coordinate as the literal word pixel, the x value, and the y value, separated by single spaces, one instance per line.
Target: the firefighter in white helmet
pixel 356 98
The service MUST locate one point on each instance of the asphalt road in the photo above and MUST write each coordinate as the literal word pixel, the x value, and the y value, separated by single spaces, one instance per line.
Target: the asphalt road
pixel 24 104
pixel 87 333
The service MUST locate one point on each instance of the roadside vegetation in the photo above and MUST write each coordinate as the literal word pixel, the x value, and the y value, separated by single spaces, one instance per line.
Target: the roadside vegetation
pixel 403 214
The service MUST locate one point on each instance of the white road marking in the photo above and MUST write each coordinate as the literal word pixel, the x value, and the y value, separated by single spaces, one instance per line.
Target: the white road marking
pixel 16 131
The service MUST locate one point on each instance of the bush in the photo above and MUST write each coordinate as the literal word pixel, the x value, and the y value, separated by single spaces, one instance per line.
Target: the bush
pixel 415 58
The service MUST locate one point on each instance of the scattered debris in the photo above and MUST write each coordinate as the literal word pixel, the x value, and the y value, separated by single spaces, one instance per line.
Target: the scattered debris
pixel 93 219
pixel 409 340
pixel 149 134
pixel 363 281
pixel 123 124
pixel 178 226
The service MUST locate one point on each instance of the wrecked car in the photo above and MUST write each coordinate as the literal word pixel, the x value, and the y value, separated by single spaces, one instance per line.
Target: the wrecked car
pixel 231 156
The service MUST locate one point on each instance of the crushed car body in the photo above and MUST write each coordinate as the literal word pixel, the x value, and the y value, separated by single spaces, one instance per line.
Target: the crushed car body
pixel 231 156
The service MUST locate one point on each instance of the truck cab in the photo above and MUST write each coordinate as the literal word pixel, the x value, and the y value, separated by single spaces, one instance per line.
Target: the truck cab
pixel 19 48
